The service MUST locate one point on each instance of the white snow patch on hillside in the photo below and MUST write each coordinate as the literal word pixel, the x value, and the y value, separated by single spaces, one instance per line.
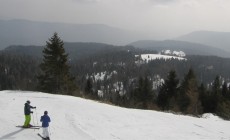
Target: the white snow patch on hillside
pixel 179 53
pixel 157 82
pixel 101 76
pixel 149 57
pixel 75 118
pixel 173 53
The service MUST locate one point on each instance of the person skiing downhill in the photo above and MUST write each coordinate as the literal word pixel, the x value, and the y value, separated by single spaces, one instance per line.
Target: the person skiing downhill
pixel 45 119
pixel 27 112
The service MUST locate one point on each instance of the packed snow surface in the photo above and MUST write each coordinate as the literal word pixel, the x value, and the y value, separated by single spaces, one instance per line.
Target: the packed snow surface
pixel 80 119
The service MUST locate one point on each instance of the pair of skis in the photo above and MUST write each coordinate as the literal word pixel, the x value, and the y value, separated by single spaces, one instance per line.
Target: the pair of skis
pixel 43 137
pixel 34 127
pixel 31 127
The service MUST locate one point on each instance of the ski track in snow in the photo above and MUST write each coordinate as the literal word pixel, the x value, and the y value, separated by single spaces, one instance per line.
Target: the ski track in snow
pixel 75 118
pixel 77 128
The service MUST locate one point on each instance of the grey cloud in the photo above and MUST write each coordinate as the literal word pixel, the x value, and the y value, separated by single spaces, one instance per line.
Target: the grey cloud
pixel 155 1
pixel 86 1
pixel 163 1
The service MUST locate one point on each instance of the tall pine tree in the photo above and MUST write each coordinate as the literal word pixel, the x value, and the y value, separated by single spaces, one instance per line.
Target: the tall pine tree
pixel 188 99
pixel 144 93
pixel 168 92
pixel 55 76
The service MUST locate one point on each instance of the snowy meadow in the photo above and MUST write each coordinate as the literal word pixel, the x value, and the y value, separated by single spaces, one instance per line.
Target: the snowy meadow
pixel 76 118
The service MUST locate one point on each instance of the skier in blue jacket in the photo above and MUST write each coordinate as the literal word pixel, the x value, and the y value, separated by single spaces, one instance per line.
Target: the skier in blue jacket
pixel 45 119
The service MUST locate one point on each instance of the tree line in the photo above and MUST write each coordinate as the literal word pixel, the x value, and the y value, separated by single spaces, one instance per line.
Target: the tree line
pixel 185 96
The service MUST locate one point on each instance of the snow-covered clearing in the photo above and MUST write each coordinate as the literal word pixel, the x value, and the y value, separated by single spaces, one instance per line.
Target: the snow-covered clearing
pixel 79 119
pixel 149 57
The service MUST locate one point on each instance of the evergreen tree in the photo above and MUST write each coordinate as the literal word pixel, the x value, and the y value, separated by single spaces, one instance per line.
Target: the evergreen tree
pixel 225 90
pixel 143 92
pixel 203 96
pixel 211 98
pixel 221 103
pixel 189 95
pixel 216 96
pixel 216 86
pixel 168 92
pixel 148 92
pixel 162 98
pixel 89 86
pixel 55 76
pixel 137 93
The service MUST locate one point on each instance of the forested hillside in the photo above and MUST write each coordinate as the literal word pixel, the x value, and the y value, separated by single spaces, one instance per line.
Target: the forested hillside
pixel 18 72
pixel 115 74
pixel 78 50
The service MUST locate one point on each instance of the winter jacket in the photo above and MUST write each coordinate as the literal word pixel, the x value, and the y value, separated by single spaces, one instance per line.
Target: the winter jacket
pixel 45 119
pixel 27 109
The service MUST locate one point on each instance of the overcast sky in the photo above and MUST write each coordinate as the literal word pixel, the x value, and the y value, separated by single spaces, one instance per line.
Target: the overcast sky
pixel 164 18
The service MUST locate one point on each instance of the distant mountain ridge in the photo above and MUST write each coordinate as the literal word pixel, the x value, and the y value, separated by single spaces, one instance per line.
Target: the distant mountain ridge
pixel 33 33
pixel 24 32
pixel 76 50
pixel 187 47
pixel 79 50
pixel 211 38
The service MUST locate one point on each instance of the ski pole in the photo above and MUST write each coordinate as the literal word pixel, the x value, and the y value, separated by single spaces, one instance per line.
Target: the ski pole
pixel 36 116
pixel 49 131
pixel 33 119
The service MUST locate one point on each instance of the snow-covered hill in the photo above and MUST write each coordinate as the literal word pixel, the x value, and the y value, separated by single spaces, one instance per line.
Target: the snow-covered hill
pixel 79 119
